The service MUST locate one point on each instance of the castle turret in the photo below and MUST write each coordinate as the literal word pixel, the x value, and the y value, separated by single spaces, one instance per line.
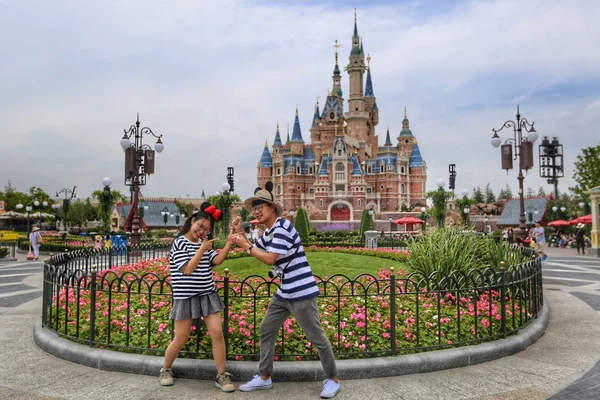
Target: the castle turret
pixel 337 78
pixel 370 100
pixel 297 143
pixel 277 141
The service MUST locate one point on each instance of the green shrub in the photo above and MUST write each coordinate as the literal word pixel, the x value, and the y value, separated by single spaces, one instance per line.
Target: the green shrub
pixel 3 252
pixel 365 222
pixel 302 224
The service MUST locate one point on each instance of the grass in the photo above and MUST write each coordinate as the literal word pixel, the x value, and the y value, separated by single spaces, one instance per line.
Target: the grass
pixel 322 264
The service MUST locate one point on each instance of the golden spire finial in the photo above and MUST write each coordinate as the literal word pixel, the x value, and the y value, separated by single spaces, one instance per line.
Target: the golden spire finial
pixel 388 129
pixel 336 46
pixel 354 14
pixel 404 111
pixel 296 110
pixel 266 144
pixel 277 126
pixel 288 129
pixel 318 97
pixel 368 61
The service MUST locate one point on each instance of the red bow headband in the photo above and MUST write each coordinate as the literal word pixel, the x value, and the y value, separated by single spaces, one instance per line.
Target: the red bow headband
pixel 213 212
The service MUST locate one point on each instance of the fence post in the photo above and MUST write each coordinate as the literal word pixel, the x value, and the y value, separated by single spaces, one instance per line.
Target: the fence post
pixel 393 310
pixel 502 298
pixel 534 289
pixel 92 307
pixel 226 313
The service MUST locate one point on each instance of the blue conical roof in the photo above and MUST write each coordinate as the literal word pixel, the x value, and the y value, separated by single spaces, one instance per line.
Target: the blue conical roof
pixel 316 116
pixel 415 157
pixel 265 159
pixel 277 141
pixel 388 142
pixel 296 133
pixel 369 85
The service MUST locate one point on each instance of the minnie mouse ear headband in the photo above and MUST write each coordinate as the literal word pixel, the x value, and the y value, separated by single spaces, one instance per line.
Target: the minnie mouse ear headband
pixel 580 225
pixel 210 210
pixel 263 196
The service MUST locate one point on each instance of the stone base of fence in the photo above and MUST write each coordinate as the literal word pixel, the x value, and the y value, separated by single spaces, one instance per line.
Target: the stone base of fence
pixel 7 259
pixel 297 371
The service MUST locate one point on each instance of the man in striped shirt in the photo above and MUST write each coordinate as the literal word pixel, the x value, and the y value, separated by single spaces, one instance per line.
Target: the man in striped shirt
pixel 280 246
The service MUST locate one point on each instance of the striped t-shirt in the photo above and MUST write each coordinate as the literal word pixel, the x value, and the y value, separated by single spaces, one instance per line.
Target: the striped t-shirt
pixel 297 282
pixel 200 281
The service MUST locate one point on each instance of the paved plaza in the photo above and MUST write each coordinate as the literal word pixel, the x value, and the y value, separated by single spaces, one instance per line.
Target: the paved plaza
pixel 563 364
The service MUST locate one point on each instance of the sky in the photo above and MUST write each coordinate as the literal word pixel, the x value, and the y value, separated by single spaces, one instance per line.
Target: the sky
pixel 215 77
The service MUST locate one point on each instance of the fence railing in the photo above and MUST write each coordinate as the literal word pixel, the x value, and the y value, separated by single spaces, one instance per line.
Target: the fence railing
pixel 367 316
pixel 334 241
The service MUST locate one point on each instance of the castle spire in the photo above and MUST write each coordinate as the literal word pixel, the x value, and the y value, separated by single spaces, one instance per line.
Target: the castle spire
pixel 277 141
pixel 316 116
pixel 369 84
pixel 405 126
pixel 296 132
pixel 288 135
pixel 337 79
pixel 355 38
pixel 336 69
pixel 265 159
pixel 388 142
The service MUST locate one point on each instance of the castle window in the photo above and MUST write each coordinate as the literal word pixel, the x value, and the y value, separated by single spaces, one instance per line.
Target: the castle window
pixel 359 202
pixel 278 189
pixel 369 190
pixel 339 166
pixel 369 170
pixel 402 170
pixel 298 187
pixel 339 153
pixel 321 202
pixel 402 188
pixel 310 170
pixel 311 191
pixel 381 168
pixel 298 168
pixel 278 171
pixel 339 188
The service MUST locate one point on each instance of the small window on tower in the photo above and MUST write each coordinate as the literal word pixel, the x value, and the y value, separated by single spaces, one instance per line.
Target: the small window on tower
pixel 321 202
pixel 369 190
pixel 359 202
pixel 311 191
pixel 402 170
pixel 278 171
pixel 278 189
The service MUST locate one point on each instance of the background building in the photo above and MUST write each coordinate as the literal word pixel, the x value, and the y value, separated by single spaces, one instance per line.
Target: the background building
pixel 343 169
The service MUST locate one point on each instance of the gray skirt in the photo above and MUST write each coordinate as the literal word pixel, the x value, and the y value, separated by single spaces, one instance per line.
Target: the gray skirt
pixel 196 306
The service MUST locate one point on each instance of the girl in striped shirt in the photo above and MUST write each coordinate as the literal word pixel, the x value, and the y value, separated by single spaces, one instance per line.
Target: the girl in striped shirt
pixel 191 259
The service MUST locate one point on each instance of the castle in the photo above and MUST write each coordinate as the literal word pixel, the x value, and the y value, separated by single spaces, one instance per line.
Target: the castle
pixel 344 169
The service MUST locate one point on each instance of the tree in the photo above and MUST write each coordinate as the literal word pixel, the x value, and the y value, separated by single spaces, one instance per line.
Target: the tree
pixel 439 199
pixel 502 195
pixel 186 209
pixel 79 213
pixel 461 204
pixel 489 194
pixel 508 191
pixel 366 222
pixel 530 192
pixel 478 195
pixel 302 224
pixel 105 207
pixel 541 192
pixel 587 172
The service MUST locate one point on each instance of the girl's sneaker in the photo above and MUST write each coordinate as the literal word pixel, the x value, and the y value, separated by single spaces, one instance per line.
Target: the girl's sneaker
pixel 257 383
pixel 330 389
pixel 223 382
pixel 166 377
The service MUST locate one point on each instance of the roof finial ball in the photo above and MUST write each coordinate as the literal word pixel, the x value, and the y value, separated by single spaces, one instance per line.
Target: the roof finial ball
pixel 368 61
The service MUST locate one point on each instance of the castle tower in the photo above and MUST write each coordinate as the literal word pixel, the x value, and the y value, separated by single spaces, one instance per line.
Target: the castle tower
pixel 297 143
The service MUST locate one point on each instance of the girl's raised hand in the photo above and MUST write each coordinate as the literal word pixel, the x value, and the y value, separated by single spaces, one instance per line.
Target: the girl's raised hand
pixel 206 245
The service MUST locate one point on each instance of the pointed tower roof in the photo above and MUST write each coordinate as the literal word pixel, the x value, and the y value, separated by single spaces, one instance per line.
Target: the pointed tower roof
pixel 388 142
pixel 355 38
pixel 265 159
pixel 361 47
pixel 316 116
pixel 277 141
pixel 336 69
pixel 369 84
pixel 297 133
pixel 405 126
pixel 203 196
pixel 415 157
pixel 288 135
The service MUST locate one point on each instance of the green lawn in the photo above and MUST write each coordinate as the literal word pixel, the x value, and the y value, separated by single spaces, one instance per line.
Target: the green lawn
pixel 322 264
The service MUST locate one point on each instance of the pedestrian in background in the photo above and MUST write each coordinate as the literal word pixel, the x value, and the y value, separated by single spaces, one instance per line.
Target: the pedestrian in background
pixel 580 238
pixel 35 239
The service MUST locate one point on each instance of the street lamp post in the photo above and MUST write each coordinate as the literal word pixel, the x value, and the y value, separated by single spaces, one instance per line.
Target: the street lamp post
pixel 70 194
pixel 442 213
pixel 165 214
pixel 466 207
pixel 423 209
pixel 106 203
pixel 28 208
pixel 531 211
pixel 139 163
pixel 523 150
pixel 390 220
pixel 226 187
pixel 551 162
pixel 371 221
pixel 485 222
pixel 562 209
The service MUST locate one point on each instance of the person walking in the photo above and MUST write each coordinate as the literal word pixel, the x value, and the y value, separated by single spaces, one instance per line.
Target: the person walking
pixel 281 247
pixel 511 235
pixel 539 236
pixel 35 239
pixel 191 259
pixel 580 238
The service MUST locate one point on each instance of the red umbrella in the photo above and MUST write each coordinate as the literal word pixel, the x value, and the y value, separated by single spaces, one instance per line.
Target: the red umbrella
pixel 408 220
pixel 559 222
pixel 586 219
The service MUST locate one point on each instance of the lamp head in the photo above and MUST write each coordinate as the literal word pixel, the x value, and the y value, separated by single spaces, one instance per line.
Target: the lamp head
pixel 465 192
pixel 107 182
pixel 423 209
pixel 554 208
pixel 159 146
pixel 532 135
pixel 125 142
pixel 496 140
pixel 225 187
pixel 440 182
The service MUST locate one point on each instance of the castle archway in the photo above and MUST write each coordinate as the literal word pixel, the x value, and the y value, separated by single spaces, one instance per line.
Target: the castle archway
pixel 340 211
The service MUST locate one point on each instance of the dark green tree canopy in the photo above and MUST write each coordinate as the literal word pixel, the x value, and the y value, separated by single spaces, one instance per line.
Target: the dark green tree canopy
pixel 587 172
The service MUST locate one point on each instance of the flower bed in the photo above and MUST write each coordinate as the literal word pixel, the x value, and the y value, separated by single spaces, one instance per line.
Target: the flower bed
pixel 361 317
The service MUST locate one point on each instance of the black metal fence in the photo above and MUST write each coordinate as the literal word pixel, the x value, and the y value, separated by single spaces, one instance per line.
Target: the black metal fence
pixel 396 242
pixel 368 316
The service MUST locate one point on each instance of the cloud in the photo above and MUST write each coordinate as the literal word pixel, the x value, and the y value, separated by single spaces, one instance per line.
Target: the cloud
pixel 215 77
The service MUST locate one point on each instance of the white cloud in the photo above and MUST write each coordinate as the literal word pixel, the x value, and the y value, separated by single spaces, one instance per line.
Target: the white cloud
pixel 215 77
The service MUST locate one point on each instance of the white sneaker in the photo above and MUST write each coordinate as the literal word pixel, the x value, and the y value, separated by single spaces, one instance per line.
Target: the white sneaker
pixel 330 389
pixel 257 383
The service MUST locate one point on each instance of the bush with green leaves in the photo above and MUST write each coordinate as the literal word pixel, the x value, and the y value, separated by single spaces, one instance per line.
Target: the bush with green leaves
pixel 452 249
pixel 3 252
pixel 302 224
pixel 365 222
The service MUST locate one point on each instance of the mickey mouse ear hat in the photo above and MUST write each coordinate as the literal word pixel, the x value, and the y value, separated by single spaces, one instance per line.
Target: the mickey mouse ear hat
pixel 263 195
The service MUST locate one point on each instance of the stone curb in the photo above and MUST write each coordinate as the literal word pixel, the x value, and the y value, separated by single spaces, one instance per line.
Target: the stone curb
pixel 7 259
pixel 290 371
